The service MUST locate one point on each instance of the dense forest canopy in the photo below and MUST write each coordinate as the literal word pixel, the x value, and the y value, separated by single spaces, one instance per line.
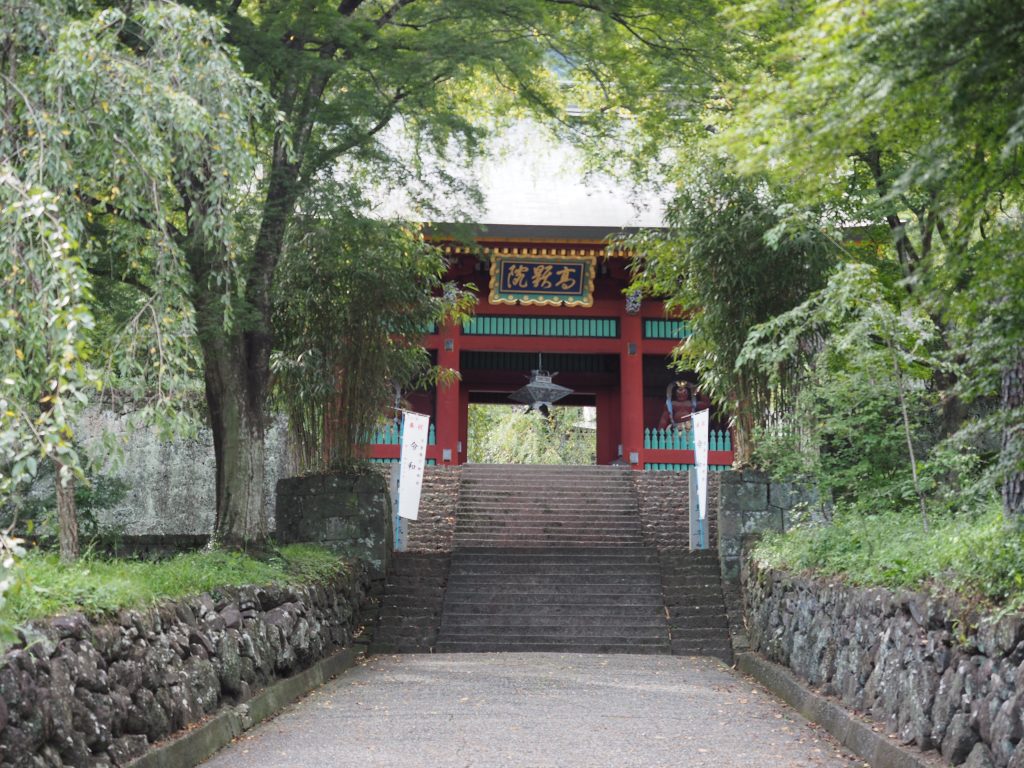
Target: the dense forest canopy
pixel 184 217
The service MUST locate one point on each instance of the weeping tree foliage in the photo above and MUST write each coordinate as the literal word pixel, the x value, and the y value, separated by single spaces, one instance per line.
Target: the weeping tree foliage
pixel 732 256
pixel 512 434
pixel 108 119
pixel 353 301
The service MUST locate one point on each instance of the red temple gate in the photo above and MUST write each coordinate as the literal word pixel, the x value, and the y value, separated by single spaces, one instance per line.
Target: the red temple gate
pixel 561 298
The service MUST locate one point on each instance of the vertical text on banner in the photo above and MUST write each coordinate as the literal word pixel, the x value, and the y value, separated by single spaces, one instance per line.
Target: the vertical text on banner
pixel 700 446
pixel 413 458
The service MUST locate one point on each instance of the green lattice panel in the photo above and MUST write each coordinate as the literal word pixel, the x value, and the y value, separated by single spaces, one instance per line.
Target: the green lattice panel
pixel 675 330
pixel 572 327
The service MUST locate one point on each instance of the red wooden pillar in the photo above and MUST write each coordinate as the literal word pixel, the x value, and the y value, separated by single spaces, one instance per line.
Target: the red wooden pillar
pixel 608 423
pixel 448 397
pixel 631 391
pixel 463 425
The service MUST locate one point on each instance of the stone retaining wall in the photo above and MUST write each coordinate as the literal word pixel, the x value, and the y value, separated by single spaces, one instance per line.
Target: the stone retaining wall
pixel 82 693
pixel 171 483
pixel 439 501
pixel 931 673
pixel 664 499
pixel 750 504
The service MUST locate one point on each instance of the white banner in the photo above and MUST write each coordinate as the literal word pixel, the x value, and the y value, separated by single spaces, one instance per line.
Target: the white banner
pixel 700 458
pixel 413 459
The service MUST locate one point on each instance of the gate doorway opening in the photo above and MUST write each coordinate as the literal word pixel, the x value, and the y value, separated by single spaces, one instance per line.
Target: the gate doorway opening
pixel 513 434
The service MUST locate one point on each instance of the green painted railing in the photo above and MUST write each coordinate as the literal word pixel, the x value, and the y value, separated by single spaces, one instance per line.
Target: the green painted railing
pixel 574 327
pixel 666 329
pixel 430 462
pixel 657 467
pixel 670 439
pixel 391 434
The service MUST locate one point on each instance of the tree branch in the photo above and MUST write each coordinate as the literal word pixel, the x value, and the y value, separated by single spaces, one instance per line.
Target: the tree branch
pixel 388 15
pixel 905 250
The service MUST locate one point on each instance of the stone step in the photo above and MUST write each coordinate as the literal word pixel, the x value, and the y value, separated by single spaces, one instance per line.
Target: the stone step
pixel 518 528
pixel 631 598
pixel 532 517
pixel 535 510
pixel 496 540
pixel 635 550
pixel 558 589
pixel 680 624
pixel 409 612
pixel 628 557
pixel 411 604
pixel 529 582
pixel 711 570
pixel 542 489
pixel 610 636
pixel 617 497
pixel 672 567
pixel 564 607
pixel 576 536
pixel 500 646
pixel 693 596
pixel 543 585
pixel 672 560
pixel 582 521
pixel 553 575
pixel 532 564
pixel 506 544
pixel 697 610
pixel 459 626
pixel 414 587
pixel 575 500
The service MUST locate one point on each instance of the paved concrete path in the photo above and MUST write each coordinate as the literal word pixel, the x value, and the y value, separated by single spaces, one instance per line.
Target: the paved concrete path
pixel 532 710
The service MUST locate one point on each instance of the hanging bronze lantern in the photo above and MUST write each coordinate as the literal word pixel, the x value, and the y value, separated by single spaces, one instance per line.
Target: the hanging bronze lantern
pixel 540 391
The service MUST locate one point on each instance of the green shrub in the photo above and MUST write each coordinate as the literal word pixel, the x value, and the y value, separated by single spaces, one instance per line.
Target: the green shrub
pixel 977 556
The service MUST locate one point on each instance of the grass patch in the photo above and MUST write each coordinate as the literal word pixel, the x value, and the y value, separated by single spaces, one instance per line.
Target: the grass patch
pixel 46 587
pixel 978 557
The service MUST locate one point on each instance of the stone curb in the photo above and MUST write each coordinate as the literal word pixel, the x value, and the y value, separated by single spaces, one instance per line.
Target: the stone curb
pixel 875 748
pixel 195 746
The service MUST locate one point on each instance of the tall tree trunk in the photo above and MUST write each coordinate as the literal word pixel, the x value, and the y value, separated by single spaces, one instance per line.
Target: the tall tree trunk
pixel 234 395
pixel 1012 400
pixel 236 361
pixel 67 513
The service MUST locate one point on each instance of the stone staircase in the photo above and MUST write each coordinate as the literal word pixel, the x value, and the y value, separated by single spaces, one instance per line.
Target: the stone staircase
pixel 509 505
pixel 548 558
pixel 692 590
pixel 580 600
pixel 551 559
pixel 410 609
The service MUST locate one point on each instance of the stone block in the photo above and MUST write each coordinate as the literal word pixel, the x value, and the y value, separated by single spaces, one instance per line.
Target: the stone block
pixel 351 514
pixel 743 492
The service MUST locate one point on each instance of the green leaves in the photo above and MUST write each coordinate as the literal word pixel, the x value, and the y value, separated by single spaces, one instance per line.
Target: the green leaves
pixel 118 129
pixel 976 555
pixel 736 254
pixel 45 320
pixel 510 434
pixel 843 366
pixel 353 299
